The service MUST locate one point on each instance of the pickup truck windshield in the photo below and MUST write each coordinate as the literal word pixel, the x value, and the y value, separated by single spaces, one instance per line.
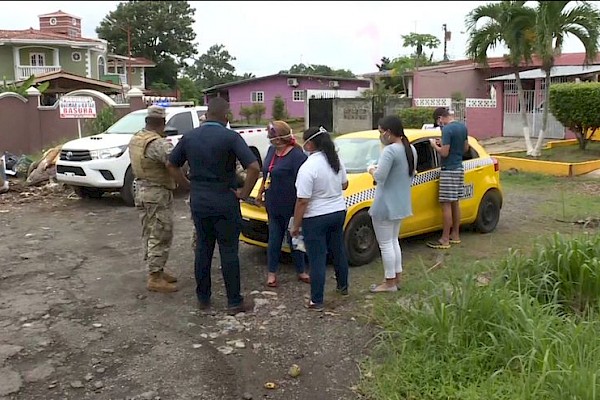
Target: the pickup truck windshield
pixel 129 124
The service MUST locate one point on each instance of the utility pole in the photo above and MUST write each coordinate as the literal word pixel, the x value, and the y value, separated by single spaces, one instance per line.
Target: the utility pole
pixel 447 35
pixel 129 56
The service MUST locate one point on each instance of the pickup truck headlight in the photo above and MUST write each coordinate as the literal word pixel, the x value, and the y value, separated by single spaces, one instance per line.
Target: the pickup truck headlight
pixel 112 152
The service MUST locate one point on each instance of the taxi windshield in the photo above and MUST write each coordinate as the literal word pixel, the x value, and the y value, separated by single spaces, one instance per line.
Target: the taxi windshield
pixel 358 153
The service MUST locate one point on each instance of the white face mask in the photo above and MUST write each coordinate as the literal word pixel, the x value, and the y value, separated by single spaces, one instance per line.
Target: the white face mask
pixel 321 130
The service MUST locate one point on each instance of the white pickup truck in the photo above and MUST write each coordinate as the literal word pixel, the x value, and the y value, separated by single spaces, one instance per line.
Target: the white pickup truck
pixel 100 163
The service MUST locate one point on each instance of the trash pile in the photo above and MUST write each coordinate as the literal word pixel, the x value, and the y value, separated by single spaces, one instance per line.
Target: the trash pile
pixel 31 178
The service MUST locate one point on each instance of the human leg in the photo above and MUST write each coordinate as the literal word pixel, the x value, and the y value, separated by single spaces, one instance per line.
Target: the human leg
pixel 227 228
pixel 205 247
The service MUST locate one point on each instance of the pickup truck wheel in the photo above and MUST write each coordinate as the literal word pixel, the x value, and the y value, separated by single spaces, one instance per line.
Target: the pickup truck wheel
pixel 87 193
pixel 359 238
pixel 489 211
pixel 128 189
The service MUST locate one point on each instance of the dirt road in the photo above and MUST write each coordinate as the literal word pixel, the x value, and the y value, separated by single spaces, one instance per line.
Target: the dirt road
pixel 76 321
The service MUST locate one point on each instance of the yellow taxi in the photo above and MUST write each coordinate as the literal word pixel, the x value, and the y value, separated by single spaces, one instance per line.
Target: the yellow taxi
pixel 480 206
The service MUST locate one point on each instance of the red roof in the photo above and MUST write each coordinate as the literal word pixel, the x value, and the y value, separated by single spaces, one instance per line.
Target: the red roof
pixel 36 34
pixel 58 13
pixel 500 62
pixel 135 61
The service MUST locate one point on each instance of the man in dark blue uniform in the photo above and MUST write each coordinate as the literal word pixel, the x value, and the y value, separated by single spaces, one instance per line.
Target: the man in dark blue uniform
pixel 211 151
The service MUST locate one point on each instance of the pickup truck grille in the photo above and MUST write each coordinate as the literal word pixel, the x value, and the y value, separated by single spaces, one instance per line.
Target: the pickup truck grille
pixel 75 155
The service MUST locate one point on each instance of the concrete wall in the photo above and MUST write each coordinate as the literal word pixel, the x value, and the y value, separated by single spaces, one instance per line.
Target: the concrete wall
pixel 441 84
pixel 352 115
pixel 29 128
pixel 393 105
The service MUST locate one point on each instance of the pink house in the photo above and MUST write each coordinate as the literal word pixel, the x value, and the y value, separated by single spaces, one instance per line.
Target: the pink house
pixel 484 96
pixel 292 88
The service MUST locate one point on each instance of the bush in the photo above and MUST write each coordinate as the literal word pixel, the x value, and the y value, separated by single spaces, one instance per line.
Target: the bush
pixel 521 337
pixel 416 117
pixel 104 119
pixel 575 105
pixel 258 110
pixel 246 113
pixel 279 111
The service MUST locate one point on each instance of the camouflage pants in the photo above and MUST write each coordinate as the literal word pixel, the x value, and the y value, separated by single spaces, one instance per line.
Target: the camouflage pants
pixel 156 204
pixel 194 234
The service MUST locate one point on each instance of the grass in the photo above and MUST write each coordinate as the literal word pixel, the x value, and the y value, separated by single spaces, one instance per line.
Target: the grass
pixel 519 320
pixel 569 154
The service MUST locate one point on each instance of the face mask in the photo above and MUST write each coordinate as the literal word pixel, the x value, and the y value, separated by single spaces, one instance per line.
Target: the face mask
pixel 321 130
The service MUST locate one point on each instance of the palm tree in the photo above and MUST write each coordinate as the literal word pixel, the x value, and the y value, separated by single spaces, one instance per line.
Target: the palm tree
pixel 554 21
pixel 510 23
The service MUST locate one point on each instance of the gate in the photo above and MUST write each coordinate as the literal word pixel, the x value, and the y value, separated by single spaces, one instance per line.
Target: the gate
pixel 534 107
pixel 459 107
pixel 378 109
pixel 320 113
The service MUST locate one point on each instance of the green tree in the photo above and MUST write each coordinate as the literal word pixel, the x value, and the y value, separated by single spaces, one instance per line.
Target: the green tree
pixel 213 68
pixel 510 23
pixel 419 41
pixel 160 31
pixel 279 111
pixel 21 88
pixel 188 90
pixel 575 105
pixel 555 20
pixel 316 69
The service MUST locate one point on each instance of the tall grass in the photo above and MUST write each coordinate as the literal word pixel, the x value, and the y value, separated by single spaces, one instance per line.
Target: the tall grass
pixel 532 334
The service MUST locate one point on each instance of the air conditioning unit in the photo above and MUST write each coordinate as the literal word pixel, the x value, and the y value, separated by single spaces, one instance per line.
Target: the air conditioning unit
pixel 334 84
pixel 292 82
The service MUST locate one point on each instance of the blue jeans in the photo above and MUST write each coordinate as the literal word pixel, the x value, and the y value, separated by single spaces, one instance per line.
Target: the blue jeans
pixel 322 234
pixel 278 226
pixel 225 230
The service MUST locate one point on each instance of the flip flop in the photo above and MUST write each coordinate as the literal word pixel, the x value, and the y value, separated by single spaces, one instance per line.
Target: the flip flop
pixel 454 241
pixel 438 245
pixel 373 289
pixel 272 284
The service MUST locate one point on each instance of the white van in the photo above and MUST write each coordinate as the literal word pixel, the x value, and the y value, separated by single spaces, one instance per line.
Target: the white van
pixel 97 164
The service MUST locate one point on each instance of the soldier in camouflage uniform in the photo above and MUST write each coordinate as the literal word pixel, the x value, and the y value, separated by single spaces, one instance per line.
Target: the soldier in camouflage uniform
pixel 149 152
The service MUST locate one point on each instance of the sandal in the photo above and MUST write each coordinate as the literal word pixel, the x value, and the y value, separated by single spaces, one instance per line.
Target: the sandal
pixel 438 245
pixel 305 279
pixel 452 241
pixel 382 288
pixel 272 284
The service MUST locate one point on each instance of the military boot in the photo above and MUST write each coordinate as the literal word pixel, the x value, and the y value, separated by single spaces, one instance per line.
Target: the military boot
pixel 156 283
pixel 168 277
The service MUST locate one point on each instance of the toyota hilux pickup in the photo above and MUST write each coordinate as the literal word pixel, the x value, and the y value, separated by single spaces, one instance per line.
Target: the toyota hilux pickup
pixel 98 164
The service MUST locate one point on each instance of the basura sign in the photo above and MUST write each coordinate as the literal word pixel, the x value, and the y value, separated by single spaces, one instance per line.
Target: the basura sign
pixel 77 107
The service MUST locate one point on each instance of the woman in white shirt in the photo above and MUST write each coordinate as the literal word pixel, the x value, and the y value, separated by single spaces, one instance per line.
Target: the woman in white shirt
pixel 321 211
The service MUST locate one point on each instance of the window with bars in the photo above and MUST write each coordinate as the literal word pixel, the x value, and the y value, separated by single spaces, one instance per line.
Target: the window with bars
pixel 510 87
pixel 298 95
pixel 257 97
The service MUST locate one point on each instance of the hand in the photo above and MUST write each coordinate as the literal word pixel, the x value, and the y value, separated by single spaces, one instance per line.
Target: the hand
pixel 258 201
pixel 371 169
pixel 185 185
pixel 238 193
pixel 435 142
pixel 295 231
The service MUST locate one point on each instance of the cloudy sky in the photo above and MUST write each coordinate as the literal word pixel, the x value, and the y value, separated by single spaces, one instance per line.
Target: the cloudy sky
pixel 268 37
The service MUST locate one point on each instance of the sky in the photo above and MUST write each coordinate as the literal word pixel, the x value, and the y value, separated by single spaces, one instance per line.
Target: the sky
pixel 266 37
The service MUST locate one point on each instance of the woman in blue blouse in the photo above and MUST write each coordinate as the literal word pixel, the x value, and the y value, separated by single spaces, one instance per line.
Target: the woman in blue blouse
pixel 393 174
pixel 280 168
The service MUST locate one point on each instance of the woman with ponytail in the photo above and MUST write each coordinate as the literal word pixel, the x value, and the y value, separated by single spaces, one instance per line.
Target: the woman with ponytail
pixel 321 211
pixel 393 175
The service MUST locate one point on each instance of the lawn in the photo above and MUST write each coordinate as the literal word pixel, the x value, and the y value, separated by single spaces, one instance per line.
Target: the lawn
pixel 570 154
pixel 509 315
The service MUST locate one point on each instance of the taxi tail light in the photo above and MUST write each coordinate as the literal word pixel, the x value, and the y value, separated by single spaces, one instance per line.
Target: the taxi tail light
pixel 496 165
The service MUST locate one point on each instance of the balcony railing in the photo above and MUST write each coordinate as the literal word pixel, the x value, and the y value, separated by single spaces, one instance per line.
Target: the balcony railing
pixel 25 71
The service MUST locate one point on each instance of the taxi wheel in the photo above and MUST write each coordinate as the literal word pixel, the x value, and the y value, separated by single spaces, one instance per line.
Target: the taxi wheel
pixel 489 211
pixel 359 238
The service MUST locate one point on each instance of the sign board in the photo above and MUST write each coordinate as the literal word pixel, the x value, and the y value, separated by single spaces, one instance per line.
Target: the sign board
pixel 77 107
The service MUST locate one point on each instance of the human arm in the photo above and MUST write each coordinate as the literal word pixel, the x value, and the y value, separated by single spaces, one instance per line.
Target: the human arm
pixel 344 176
pixel 304 190
pixel 442 149
pixel 174 163
pixel 248 160
pixel 386 160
